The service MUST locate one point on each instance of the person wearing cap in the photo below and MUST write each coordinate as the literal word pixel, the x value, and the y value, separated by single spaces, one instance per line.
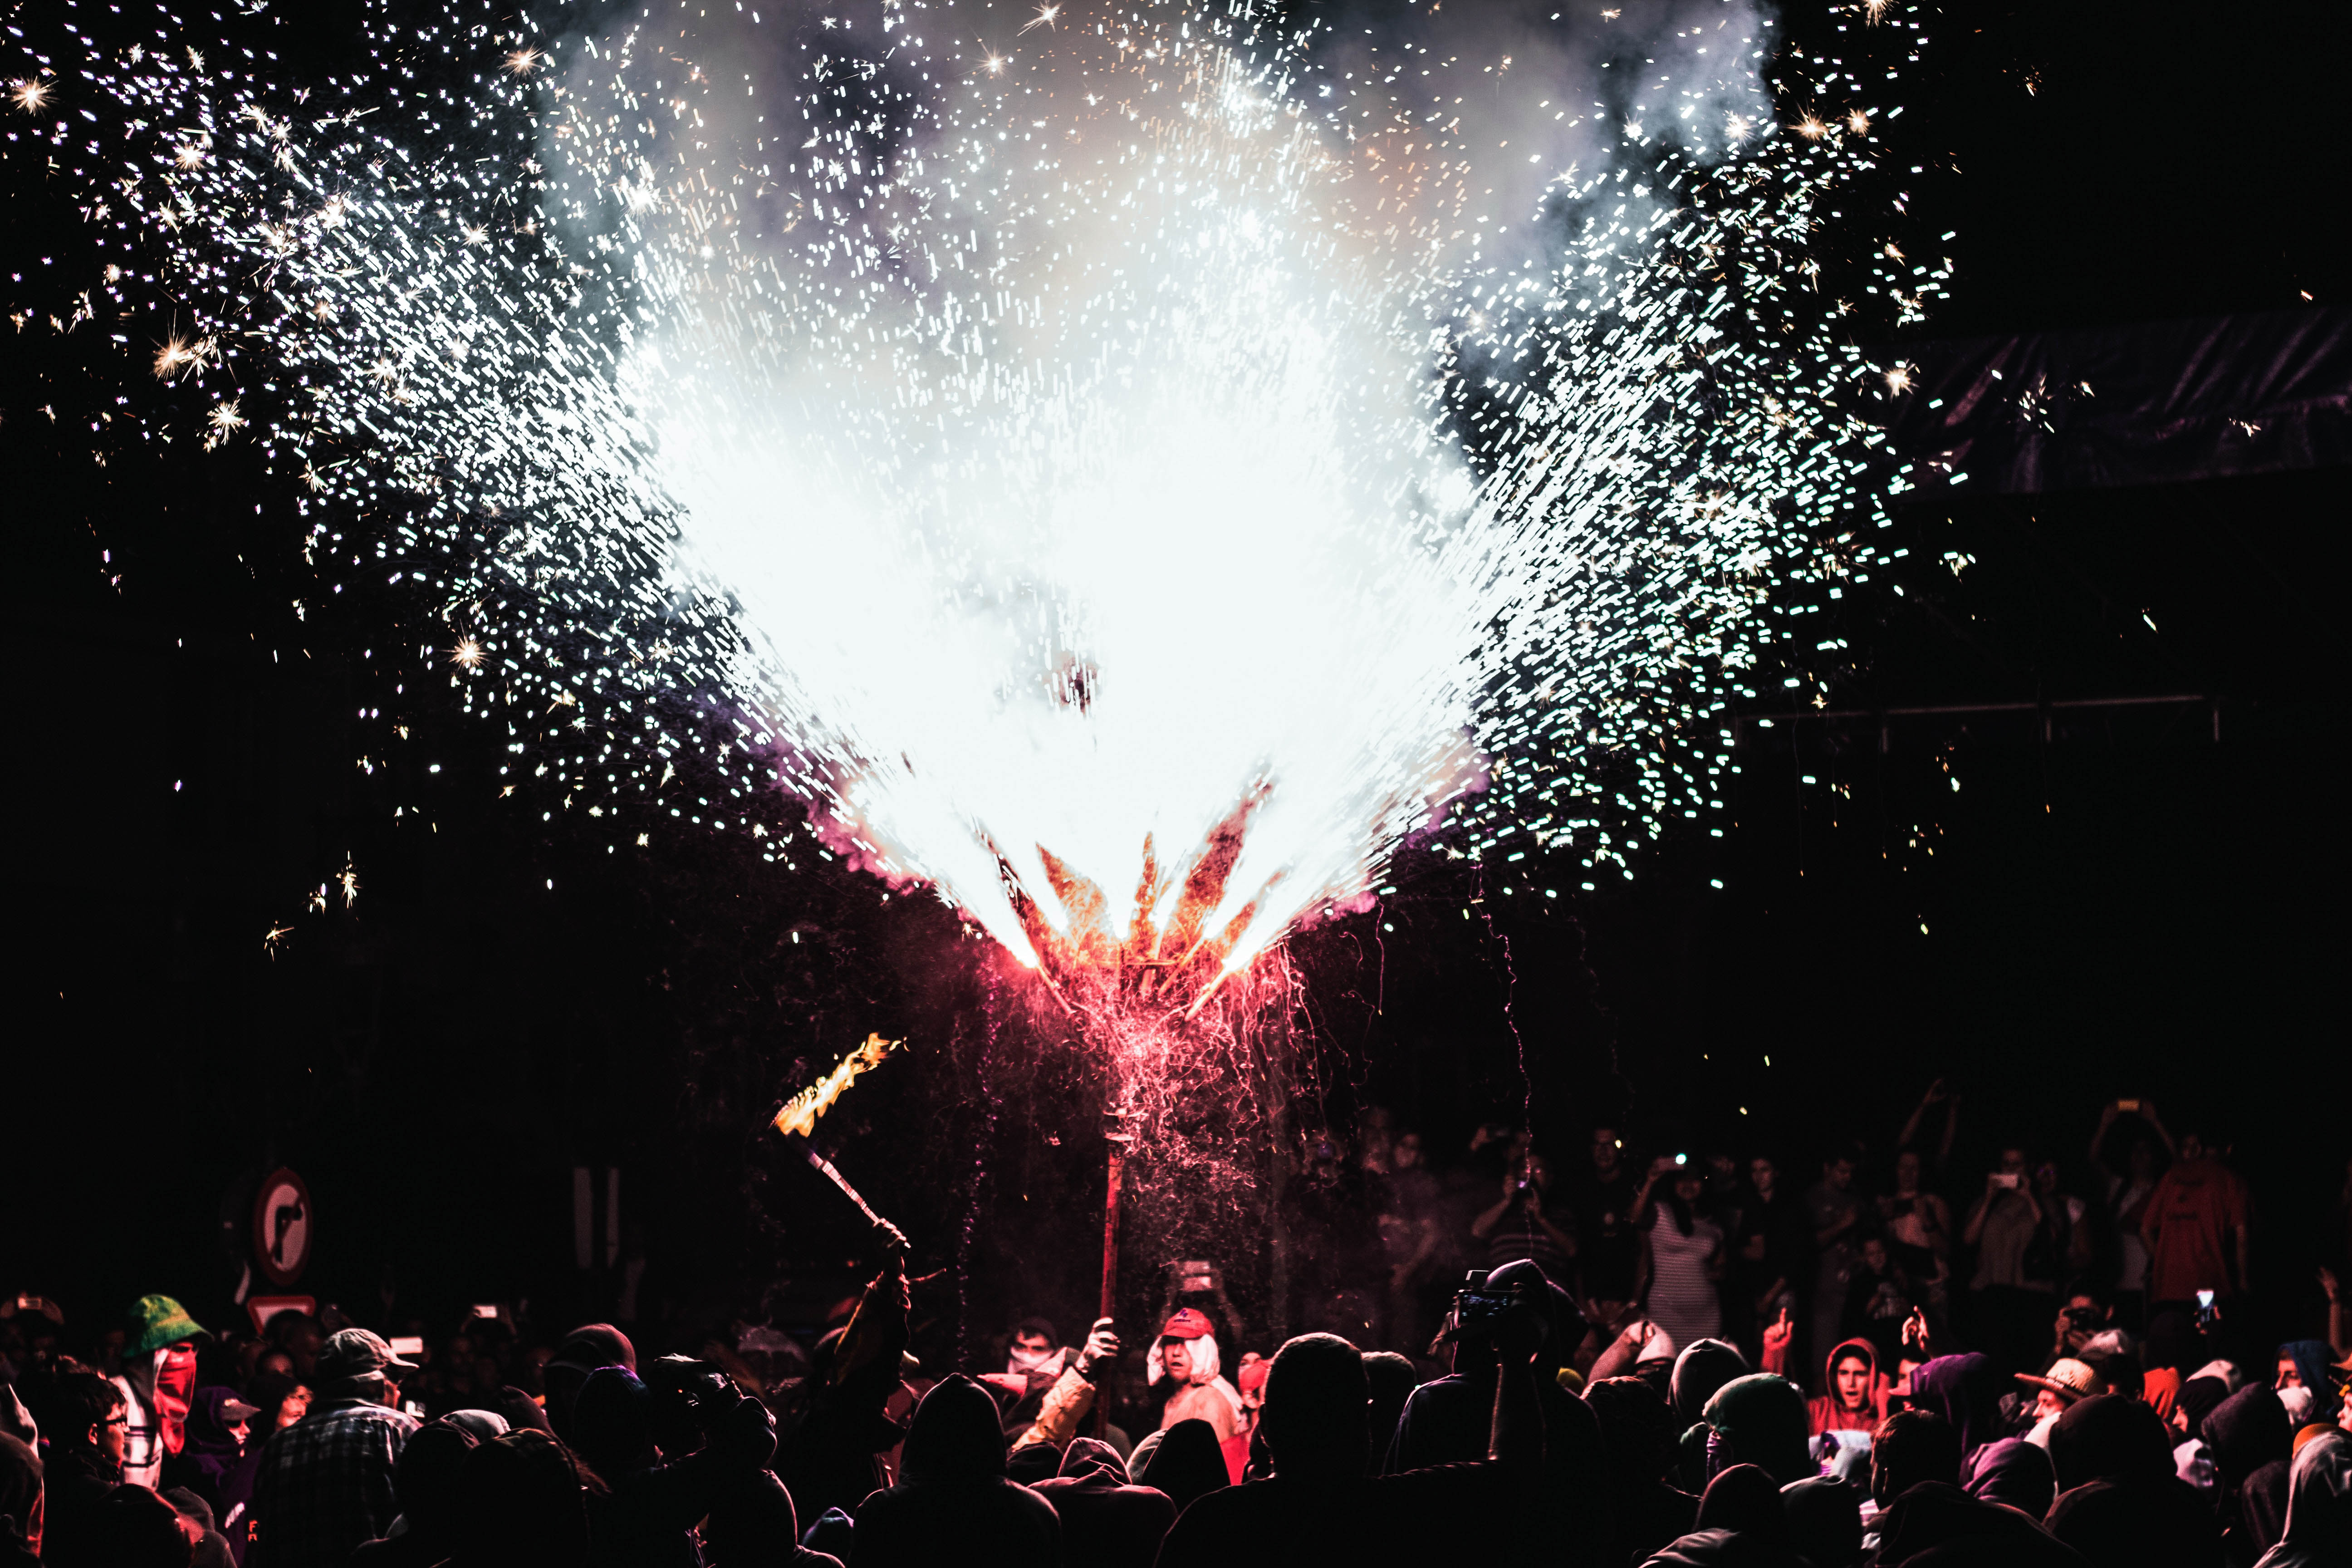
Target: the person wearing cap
pixel 158 1381
pixel 325 1484
pixel 216 1462
pixel 1186 1357
pixel 2060 1388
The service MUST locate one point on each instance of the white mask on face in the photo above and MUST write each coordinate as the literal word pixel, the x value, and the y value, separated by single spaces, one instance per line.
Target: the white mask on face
pixel 1023 1362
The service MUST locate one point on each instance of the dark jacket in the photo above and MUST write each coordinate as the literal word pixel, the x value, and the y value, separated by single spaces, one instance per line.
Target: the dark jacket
pixel 214 1467
pixel 1106 1522
pixel 1933 1517
pixel 2138 1522
pixel 954 1503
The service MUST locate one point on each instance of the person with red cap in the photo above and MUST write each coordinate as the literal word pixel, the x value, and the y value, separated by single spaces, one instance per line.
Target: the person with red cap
pixel 1186 1356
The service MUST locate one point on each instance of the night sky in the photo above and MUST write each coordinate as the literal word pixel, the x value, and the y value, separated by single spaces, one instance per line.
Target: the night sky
pixel 2131 907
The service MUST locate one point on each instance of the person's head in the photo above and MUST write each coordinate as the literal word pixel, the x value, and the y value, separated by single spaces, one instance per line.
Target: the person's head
pixel 1873 1254
pixel 355 1363
pixel 1033 1344
pixel 1537 1171
pixel 1837 1171
pixel 2012 1163
pixel 1317 1420
pixel 1850 1380
pixel 2192 1145
pixel 1911 1446
pixel 2081 1315
pixel 1607 1149
pixel 1187 1349
pixel 1761 1174
pixel 2289 1374
pixel 1637 1430
pixel 1907 1172
pixel 2142 1160
pixel 91 1414
pixel 1688 1185
pixel 1407 1153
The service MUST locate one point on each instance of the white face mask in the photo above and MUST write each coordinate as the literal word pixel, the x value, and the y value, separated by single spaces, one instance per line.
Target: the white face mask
pixel 1026 1361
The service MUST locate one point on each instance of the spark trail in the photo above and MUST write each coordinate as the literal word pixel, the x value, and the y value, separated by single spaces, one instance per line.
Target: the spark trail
pixel 1127 467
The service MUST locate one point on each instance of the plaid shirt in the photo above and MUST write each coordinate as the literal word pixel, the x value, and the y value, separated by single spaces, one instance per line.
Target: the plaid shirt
pixel 325 1485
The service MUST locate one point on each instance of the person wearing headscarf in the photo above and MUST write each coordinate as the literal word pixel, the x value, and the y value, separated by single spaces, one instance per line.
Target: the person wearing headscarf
pixel 1185 1358
pixel 1854 1391
pixel 1760 1420
pixel 953 1503
pixel 1107 1522
pixel 217 1461
pixel 20 1504
pixel 1185 1463
pixel 2014 1473
pixel 1965 1390
pixel 2318 1531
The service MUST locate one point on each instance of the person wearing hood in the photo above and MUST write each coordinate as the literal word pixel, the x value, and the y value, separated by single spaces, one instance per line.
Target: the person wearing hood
pixel 652 1503
pixel 2303 1363
pixel 1700 1369
pixel 2192 1461
pixel 2136 1521
pixel 1965 1390
pixel 1107 1522
pixel 20 1504
pixel 1760 1420
pixel 1321 1506
pixel 1934 1522
pixel 1741 1524
pixel 2319 1532
pixel 325 1485
pixel 218 1460
pixel 753 1525
pixel 158 1383
pixel 1824 1517
pixel 519 1504
pixel 2250 1440
pixel 583 1350
pixel 1638 1438
pixel 1185 1461
pixel 425 1484
pixel 2014 1473
pixel 952 1502
pixel 1185 1358
pixel 1855 1397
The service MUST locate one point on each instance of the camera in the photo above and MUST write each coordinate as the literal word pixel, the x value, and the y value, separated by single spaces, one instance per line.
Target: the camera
pixel 1476 1310
pixel 688 1396
pixel 2085 1318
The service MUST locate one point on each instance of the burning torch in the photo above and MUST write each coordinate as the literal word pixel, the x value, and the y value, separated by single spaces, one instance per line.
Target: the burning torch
pixel 798 1117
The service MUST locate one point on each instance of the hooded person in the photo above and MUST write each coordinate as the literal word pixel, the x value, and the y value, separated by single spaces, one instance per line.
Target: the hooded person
pixel 1185 1358
pixel 158 1383
pixel 1855 1396
pixel 1700 1369
pixel 2014 1473
pixel 20 1504
pixel 1935 1523
pixel 2318 1507
pixel 2245 1432
pixel 1392 1380
pixel 753 1525
pixel 1824 1517
pixel 425 1483
pixel 1638 1440
pixel 1186 1463
pixel 1322 1505
pixel 1742 1523
pixel 520 1504
pixel 1966 1391
pixel 2136 1522
pixel 582 1351
pixel 952 1502
pixel 652 1504
pixel 2305 1362
pixel 1760 1420
pixel 1107 1522
pixel 2261 1510
pixel 2109 1437
pixel 219 1456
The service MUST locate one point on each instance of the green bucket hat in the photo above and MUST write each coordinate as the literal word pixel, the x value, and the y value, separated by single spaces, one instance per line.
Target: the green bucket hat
pixel 158 1320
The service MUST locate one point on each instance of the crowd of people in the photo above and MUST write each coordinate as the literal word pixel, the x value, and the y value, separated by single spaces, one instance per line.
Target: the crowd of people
pixel 1678 1360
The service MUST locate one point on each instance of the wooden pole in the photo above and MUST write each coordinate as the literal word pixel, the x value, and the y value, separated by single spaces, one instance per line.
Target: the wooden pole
pixel 1115 1169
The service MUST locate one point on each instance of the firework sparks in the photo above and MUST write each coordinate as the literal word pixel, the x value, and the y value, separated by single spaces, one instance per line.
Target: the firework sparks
pixel 1501 512
pixel 29 94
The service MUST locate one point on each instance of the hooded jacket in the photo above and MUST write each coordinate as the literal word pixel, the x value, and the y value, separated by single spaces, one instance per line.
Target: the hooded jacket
pixel 953 1503
pixel 1966 1391
pixel 1185 1463
pixel 2109 1437
pixel 1761 1418
pixel 1107 1521
pixel 2318 1507
pixel 212 1464
pixel 1703 1367
pixel 1932 1515
pixel 1823 1411
pixel 2138 1521
pixel 2014 1473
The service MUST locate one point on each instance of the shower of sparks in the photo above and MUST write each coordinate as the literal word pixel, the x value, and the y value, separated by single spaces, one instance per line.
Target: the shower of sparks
pixel 1164 463
pixel 30 96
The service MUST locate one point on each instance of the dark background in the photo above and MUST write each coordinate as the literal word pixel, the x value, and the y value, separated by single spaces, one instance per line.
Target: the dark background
pixel 2135 903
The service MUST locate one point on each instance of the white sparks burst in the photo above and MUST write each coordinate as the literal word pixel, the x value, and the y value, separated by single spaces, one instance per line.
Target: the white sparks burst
pixel 1043 500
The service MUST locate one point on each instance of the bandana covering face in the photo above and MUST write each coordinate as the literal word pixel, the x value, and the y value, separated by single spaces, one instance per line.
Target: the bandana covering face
pixel 1021 1363
pixel 176 1390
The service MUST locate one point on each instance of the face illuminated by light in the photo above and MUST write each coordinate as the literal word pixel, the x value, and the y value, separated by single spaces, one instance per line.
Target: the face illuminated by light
pixel 1853 1382
pixel 1176 1355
